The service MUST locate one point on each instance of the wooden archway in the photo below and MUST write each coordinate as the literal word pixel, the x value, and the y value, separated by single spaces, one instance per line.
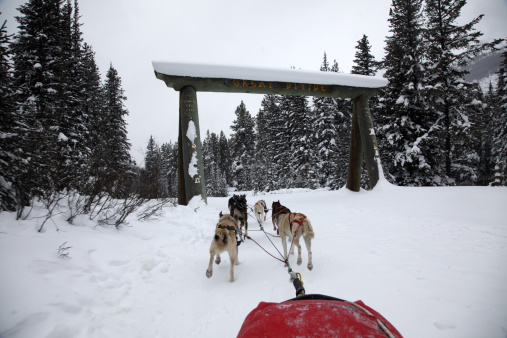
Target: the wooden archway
pixel 188 79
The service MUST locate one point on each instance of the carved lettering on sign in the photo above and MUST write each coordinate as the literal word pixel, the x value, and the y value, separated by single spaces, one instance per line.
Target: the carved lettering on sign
pixel 189 104
pixel 278 85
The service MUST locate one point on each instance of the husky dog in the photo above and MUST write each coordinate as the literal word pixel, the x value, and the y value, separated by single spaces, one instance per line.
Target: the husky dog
pixel 277 210
pixel 224 240
pixel 295 225
pixel 260 211
pixel 237 208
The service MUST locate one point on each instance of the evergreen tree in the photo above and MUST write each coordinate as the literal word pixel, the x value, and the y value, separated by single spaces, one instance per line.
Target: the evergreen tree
pixel 301 158
pixel 208 160
pixel 151 179
pixel 273 134
pixel 499 147
pixel 326 136
pixel 448 47
pixel 73 150
pixel 169 153
pixel 8 118
pixel 37 54
pixel 406 126
pixel 92 105
pixel 484 135
pixel 80 71
pixel 115 145
pixel 343 123
pixel 467 139
pixel 170 168
pixel 225 158
pixel 262 163
pixel 364 63
pixel 282 141
pixel 324 67
pixel 243 148
pixel 215 178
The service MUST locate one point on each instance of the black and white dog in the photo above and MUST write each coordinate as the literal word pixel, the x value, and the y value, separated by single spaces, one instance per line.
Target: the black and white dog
pixel 238 210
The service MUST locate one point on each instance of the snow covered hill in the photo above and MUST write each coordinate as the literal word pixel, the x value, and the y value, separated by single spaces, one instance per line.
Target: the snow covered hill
pixel 484 69
pixel 433 261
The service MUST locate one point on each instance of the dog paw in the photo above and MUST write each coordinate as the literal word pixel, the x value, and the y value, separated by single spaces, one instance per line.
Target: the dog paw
pixel 310 267
pixel 209 273
pixel 218 260
pixel 299 262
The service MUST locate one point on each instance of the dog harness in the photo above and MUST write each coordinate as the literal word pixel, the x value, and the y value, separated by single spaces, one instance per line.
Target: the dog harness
pixel 233 229
pixel 299 222
pixel 281 210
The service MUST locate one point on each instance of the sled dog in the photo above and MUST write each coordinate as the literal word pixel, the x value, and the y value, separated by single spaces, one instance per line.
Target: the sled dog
pixel 260 211
pixel 295 225
pixel 224 240
pixel 237 208
pixel 277 210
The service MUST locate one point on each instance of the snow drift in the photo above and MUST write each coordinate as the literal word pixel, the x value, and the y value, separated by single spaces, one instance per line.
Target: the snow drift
pixel 432 261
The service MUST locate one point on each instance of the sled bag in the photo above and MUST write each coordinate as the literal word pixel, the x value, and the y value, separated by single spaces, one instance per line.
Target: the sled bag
pixel 315 316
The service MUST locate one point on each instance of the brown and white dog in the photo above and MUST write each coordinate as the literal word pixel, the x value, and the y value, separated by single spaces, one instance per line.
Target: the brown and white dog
pixel 277 211
pixel 260 211
pixel 295 225
pixel 224 240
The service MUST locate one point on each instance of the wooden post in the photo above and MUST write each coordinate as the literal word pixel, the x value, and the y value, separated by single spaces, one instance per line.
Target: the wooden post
pixel 356 154
pixel 190 167
pixel 368 141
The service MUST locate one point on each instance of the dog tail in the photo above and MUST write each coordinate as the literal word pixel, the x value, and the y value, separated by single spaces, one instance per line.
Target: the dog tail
pixel 308 229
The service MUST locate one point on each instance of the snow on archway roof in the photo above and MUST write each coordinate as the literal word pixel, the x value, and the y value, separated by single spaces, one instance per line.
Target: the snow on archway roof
pixel 217 71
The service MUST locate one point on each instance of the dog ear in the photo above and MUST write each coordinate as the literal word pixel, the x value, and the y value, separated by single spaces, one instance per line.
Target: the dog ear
pixel 220 214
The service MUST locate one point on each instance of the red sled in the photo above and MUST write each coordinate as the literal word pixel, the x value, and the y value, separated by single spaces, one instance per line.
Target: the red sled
pixel 316 316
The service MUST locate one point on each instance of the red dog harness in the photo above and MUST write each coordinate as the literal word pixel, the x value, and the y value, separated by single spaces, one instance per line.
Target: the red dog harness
pixel 299 222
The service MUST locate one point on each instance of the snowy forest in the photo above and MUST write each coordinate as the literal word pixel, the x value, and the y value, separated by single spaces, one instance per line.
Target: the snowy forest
pixel 63 129
pixel 433 127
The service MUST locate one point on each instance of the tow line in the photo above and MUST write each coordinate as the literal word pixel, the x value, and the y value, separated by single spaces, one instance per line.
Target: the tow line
pixel 295 277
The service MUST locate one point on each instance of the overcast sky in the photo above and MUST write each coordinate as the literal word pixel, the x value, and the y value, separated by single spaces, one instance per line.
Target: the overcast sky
pixel 272 33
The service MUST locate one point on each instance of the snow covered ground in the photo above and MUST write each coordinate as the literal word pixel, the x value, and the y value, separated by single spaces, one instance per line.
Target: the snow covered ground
pixel 433 261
